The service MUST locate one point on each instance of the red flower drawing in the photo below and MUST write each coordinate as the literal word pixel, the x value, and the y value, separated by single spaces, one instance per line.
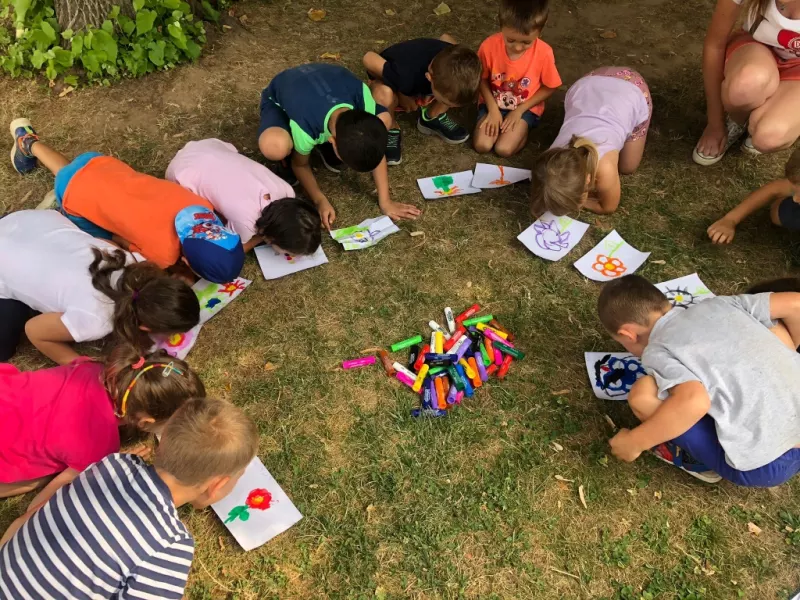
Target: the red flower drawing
pixel 258 499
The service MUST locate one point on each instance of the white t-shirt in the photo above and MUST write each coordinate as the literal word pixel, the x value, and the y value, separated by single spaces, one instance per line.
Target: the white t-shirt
pixel 238 187
pixel 776 31
pixel 44 263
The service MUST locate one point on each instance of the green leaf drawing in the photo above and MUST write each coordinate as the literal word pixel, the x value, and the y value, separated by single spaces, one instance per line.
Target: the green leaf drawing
pixel 238 512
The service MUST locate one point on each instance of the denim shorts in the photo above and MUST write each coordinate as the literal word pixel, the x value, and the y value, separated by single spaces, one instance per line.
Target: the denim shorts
pixel 530 118
pixel 63 177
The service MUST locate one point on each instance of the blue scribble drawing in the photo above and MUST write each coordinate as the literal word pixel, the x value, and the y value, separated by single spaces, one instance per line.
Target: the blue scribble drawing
pixel 616 375
pixel 549 237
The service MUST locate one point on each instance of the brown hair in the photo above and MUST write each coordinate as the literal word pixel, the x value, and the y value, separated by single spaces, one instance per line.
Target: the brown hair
pixel 792 168
pixel 525 16
pixel 144 296
pixel 755 8
pixel 629 299
pixel 456 74
pixel 158 392
pixel 206 438
pixel 558 177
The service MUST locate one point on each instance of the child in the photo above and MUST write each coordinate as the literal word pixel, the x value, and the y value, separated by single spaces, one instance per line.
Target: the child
pixel 108 199
pixel 257 204
pixel 519 74
pixel 720 384
pixel 58 421
pixel 114 532
pixel 784 194
pixel 429 75
pixel 313 104
pixel 606 118
pixel 84 288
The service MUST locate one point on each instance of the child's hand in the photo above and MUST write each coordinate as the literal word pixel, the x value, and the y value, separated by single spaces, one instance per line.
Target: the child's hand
pixel 492 123
pixel 143 451
pixel 326 213
pixel 512 120
pixel 623 447
pixel 722 231
pixel 397 212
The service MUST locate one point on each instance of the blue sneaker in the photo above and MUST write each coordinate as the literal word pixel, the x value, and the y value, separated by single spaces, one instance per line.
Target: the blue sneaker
pixel 672 454
pixel 22 158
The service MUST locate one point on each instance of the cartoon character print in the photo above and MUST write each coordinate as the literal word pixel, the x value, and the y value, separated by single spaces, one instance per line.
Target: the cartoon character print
pixel 208 231
pixel 509 92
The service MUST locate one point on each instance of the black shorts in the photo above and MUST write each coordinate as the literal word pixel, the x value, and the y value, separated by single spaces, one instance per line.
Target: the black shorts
pixel 272 115
pixel 789 214
pixel 13 316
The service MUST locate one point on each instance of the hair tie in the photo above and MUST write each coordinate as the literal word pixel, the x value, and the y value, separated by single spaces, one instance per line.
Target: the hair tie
pixel 168 369
pixel 135 295
pixel 138 364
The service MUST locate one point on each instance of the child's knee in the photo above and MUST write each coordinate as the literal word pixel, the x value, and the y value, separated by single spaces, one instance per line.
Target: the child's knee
pixel 275 143
pixel 482 143
pixel 505 149
pixel 382 93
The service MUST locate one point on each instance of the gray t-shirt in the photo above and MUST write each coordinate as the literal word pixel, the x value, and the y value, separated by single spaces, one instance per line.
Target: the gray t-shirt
pixel 752 378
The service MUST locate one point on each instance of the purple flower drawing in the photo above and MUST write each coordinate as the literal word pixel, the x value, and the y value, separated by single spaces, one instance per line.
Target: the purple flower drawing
pixel 548 237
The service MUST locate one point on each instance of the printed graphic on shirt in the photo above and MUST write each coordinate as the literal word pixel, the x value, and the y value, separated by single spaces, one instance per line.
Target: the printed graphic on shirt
pixel 509 92
pixel 790 40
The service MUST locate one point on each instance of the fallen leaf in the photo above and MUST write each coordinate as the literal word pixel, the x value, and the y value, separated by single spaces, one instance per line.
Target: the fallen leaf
pixel 564 479
pixel 631 491
pixel 608 34
pixel 330 56
pixel 603 460
pixel 442 9
pixel 370 512
pixel 416 233
pixel 469 284
pixel 657 495
pixel 243 19
pixel 380 42
pixel 753 528
pixel 788 529
pixel 564 487
pixel 221 543
pixel 317 14
pixel 67 90
pixel 390 12
pixel 226 28
pixel 658 262
pixel 582 496
pixel 556 446
pixel 270 367
pixel 313 486
pixel 560 392
pixel 231 13
pixel 610 422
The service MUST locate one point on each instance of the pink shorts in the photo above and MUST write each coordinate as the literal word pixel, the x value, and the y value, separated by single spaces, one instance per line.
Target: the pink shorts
pixel 640 131
pixel 788 70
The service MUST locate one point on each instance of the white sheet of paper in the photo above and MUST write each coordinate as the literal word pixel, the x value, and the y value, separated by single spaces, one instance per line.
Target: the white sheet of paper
pixel 488 176
pixel 553 237
pixel 612 373
pixel 213 297
pixel 252 522
pixel 613 257
pixel 685 291
pixel 365 234
pixel 276 264
pixel 444 186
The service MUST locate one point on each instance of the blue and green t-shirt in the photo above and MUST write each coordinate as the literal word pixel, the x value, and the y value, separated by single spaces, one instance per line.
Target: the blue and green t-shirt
pixel 309 94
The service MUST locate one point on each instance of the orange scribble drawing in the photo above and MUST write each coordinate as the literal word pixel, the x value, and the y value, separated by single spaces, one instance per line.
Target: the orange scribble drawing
pixel 608 266
pixel 502 180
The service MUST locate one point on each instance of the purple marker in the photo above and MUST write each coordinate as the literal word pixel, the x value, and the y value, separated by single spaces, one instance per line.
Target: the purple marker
pixel 481 367
pixel 462 350
pixel 359 362
pixel 451 395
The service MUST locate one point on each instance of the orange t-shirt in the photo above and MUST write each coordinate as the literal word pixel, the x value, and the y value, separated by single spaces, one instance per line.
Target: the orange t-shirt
pixel 514 81
pixel 137 207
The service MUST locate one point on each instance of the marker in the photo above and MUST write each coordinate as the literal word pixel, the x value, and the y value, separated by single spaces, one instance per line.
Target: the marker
pixel 423 372
pixel 484 355
pixel 502 329
pixel 428 412
pixel 489 349
pixel 436 327
pixel 459 344
pixel 403 378
pixel 387 362
pixel 451 321
pixel 436 370
pixel 476 379
pixel 421 358
pixel 440 392
pixel 438 338
pixel 455 378
pixel 504 369
pixel 467 385
pixel 417 339
pixel 437 360
pixel 459 333
pixel 483 327
pixel 451 395
pixel 476 320
pixel 401 369
pixel 472 310
pixel 459 397
pixel 413 354
pixel 427 399
pixel 464 348
pixel 492 369
pixel 431 385
pixel 507 349
pixel 481 367
pixel 498 357
pixel 475 335
pixel 359 362
pixel 464 363
pixel 433 340
pixel 490 334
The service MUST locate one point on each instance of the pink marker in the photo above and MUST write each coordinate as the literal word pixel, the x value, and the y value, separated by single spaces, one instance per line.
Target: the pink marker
pixel 498 357
pixel 403 378
pixel 496 338
pixel 359 362
pixel 459 397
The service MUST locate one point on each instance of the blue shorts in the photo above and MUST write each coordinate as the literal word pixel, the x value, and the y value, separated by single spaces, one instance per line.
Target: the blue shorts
pixel 789 214
pixel 272 115
pixel 63 177
pixel 702 443
pixel 531 119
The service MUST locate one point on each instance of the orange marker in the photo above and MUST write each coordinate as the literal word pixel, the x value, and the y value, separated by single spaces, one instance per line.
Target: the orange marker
pixel 487 343
pixel 440 393
pixel 476 380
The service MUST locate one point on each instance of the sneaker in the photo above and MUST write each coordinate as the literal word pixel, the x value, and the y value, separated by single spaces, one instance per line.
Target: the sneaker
pixel 443 126
pixel 328 155
pixel 748 148
pixel 24 136
pixel 48 202
pixel 735 131
pixel 394 155
pixel 284 170
pixel 672 454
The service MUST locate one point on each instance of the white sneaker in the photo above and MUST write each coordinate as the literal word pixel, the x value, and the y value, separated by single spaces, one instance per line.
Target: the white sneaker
pixel 48 202
pixel 748 148
pixel 735 131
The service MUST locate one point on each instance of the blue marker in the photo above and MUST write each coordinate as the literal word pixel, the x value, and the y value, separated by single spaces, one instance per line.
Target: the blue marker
pixel 428 412
pixel 468 391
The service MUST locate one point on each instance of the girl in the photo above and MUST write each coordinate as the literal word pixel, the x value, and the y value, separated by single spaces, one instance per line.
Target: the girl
pixel 58 421
pixel 606 117
pixel 752 75
pixel 83 286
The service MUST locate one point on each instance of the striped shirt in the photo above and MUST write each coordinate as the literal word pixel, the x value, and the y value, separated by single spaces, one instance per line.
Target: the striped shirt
pixel 113 533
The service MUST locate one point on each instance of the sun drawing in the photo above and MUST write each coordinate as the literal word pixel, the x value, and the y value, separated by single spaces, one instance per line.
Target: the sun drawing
pixel 608 266
pixel 680 298
pixel 231 288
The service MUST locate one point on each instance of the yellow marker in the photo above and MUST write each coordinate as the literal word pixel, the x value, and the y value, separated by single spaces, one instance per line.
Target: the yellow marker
pixel 439 338
pixel 467 369
pixel 420 378
pixel 502 334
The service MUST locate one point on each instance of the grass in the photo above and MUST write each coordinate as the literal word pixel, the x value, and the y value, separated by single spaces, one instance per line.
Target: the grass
pixel 466 507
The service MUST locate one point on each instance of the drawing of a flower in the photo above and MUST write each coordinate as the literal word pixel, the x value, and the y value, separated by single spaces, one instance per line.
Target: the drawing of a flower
pixel 548 236
pixel 608 266
pixel 258 499
pixel 231 288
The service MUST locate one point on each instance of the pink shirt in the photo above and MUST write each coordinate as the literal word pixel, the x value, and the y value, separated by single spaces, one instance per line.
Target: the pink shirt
pixel 54 419
pixel 238 187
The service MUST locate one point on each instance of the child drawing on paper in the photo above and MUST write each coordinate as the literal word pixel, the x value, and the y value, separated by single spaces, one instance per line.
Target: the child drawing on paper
pixel 257 499
pixel 607 265
pixel 550 237
pixel 502 180
pixel 615 375
pixel 444 185
pixel 683 298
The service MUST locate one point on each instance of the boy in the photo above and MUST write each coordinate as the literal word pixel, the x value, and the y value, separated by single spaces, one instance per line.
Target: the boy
pixel 114 532
pixel 425 74
pixel 720 383
pixel 519 74
pixel 310 105
pixel 257 204
pixel 784 194
pixel 159 219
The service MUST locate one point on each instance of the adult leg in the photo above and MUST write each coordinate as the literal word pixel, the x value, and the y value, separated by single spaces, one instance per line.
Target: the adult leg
pixel 512 141
pixel 7 490
pixel 775 124
pixel 481 142
pixel 13 316
pixel 751 78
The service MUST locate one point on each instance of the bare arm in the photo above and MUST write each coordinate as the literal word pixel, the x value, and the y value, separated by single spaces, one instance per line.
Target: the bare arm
pixel 392 209
pixel 604 199
pixel 51 337
pixel 494 118
pixel 301 165
pixel 486 94
pixel 541 95
pixel 723 230
pixel 373 63
pixel 252 243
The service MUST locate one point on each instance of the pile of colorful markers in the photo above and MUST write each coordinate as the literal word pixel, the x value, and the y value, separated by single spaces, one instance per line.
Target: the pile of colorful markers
pixel 454 364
